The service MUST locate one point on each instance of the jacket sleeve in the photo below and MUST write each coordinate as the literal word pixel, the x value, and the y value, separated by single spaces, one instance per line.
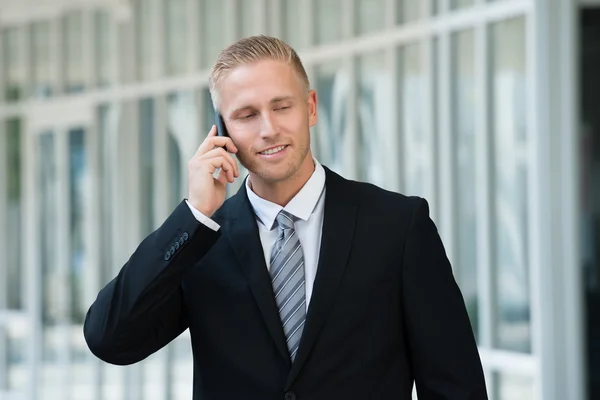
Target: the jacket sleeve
pixel 444 355
pixel 141 309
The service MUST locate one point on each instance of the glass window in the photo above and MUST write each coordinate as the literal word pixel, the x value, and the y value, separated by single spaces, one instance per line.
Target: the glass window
pixel 147 139
pixel 15 76
pixel 418 168
pixel 42 57
pixel 73 45
pixel 250 15
pixel 155 385
pixel 16 341
pixel 457 4
pixel 213 37
pixel 147 59
pixel 52 284
pixel 332 83
pixel 370 15
pixel 108 130
pixel 329 20
pixel 14 216
pixel 77 197
pixel 104 50
pixel 374 110
pixel 511 386
pixel 177 37
pixel 409 10
pixel 464 110
pixel 182 128
pixel 511 273
pixel 293 29
pixel 182 367
pixel 82 361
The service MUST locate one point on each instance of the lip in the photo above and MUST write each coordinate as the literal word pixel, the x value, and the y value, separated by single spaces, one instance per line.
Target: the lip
pixel 278 154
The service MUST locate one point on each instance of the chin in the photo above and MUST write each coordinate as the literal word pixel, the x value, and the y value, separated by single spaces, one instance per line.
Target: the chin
pixel 274 174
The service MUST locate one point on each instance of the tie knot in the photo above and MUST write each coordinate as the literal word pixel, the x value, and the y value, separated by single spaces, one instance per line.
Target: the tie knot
pixel 285 220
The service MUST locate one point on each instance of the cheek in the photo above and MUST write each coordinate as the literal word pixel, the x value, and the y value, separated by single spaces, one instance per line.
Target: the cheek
pixel 293 124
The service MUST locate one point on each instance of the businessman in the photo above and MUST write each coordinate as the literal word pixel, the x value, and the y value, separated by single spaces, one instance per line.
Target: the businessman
pixel 303 285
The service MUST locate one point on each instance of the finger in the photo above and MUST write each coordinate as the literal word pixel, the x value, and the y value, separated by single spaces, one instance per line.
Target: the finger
pixel 213 131
pixel 223 163
pixel 219 152
pixel 222 177
pixel 216 141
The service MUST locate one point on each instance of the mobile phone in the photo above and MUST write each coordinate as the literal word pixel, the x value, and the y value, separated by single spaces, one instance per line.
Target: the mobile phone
pixel 221 129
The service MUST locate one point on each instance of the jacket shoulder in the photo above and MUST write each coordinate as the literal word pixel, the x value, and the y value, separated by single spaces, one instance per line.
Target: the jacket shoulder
pixel 375 197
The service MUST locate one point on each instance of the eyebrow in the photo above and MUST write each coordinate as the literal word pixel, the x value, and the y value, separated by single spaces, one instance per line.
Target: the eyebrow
pixel 273 101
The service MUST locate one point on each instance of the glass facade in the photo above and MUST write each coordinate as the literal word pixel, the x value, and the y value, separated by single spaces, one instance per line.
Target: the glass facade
pixel 430 98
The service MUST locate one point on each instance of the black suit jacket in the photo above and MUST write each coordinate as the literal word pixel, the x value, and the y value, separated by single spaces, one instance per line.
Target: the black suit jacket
pixel 385 310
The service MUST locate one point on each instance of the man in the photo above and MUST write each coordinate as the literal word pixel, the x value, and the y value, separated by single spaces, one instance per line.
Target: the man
pixel 303 285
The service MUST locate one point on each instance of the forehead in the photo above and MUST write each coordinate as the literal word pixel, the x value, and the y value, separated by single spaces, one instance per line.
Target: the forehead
pixel 259 81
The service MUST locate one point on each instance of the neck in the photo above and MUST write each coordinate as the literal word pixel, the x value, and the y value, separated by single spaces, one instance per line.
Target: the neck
pixel 283 191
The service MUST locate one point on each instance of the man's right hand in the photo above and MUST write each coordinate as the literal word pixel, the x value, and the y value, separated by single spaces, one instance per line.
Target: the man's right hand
pixel 205 192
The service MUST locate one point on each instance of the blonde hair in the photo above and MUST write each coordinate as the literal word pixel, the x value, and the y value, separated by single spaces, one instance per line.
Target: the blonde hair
pixel 249 50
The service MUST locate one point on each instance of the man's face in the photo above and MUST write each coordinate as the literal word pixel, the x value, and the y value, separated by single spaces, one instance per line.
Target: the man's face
pixel 268 114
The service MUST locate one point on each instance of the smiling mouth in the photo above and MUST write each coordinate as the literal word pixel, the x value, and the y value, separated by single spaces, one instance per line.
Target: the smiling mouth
pixel 273 150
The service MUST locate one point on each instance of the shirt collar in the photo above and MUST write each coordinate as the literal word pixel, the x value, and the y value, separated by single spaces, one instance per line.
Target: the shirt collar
pixel 301 205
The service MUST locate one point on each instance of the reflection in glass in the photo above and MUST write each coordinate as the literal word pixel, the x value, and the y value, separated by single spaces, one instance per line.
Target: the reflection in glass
pixel 14 71
pixel 328 15
pixel 511 386
pixel 464 112
pixel 371 15
pixel 147 138
pixel 104 51
pixel 212 37
pixel 14 216
pixel 41 57
pixel 176 38
pixel 510 177
pixel 374 109
pixel 73 40
pixel 417 166
pixel 52 287
pixel 332 83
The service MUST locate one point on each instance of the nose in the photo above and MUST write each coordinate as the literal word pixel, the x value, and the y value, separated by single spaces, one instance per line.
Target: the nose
pixel 268 127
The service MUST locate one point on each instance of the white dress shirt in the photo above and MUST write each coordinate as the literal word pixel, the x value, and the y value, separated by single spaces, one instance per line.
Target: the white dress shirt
pixel 308 206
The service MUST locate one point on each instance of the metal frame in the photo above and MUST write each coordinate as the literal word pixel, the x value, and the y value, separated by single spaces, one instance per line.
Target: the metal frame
pixel 556 363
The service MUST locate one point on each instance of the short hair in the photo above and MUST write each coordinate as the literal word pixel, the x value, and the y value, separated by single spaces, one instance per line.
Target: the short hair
pixel 252 49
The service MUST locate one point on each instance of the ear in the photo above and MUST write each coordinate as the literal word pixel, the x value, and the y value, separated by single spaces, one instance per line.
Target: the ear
pixel 312 108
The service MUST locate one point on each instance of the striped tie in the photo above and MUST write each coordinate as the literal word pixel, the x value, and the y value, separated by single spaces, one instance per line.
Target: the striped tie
pixel 287 277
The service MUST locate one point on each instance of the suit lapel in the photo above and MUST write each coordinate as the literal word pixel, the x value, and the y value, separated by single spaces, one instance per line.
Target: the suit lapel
pixel 336 240
pixel 245 240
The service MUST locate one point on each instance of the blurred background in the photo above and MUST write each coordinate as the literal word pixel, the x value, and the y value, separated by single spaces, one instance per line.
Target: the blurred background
pixel 489 109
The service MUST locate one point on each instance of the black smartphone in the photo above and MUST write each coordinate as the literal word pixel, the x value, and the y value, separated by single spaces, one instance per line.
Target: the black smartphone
pixel 221 129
